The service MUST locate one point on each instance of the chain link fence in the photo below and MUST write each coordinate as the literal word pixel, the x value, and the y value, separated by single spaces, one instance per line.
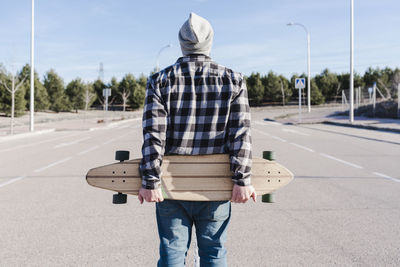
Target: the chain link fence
pixel 372 102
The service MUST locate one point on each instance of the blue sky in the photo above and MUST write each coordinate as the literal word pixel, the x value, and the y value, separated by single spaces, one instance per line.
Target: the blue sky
pixel 74 36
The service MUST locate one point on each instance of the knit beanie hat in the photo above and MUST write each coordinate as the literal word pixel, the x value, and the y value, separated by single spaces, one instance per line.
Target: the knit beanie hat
pixel 196 36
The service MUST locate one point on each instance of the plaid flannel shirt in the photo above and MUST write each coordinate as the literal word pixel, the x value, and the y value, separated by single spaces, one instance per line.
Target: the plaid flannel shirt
pixel 196 107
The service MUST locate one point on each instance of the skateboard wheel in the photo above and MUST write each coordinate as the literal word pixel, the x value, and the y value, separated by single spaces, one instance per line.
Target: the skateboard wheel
pixel 269 155
pixel 268 198
pixel 119 198
pixel 121 155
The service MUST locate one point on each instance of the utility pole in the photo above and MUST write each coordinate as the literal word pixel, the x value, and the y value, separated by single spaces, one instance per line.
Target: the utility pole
pixel 351 112
pixel 32 99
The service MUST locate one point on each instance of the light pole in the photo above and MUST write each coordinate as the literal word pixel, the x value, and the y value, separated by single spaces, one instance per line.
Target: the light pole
pixel 158 56
pixel 351 112
pixel 32 92
pixel 308 63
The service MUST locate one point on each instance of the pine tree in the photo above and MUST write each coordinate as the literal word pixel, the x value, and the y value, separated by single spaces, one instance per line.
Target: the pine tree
pixel 272 87
pixel 255 89
pixel 41 96
pixel 55 88
pixel 75 91
pixel 99 86
pixel 139 94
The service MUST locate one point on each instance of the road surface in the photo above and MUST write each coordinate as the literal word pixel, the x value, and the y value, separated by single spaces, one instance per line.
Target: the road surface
pixel 343 208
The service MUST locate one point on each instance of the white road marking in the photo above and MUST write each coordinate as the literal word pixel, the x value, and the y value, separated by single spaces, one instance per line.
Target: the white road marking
pixel 278 138
pixel 125 126
pixel 267 134
pixel 294 131
pixel 342 161
pixel 37 143
pixel 71 143
pixel 261 132
pixel 303 147
pixel 268 123
pixel 109 141
pixel 387 177
pixel 88 150
pixel 53 164
pixel 12 181
pixel 115 139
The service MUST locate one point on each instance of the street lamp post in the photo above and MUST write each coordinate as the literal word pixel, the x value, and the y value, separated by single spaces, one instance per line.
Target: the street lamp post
pixel 351 112
pixel 308 63
pixel 32 91
pixel 158 56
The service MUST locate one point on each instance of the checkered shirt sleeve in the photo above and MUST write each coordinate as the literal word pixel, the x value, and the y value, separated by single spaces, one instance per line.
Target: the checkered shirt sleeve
pixel 196 107
pixel 154 125
pixel 240 137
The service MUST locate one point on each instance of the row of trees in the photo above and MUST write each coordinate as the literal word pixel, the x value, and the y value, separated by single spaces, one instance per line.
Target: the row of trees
pixel 52 94
pixel 325 87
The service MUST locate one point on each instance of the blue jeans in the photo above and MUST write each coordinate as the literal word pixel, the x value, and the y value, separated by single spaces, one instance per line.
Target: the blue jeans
pixel 175 219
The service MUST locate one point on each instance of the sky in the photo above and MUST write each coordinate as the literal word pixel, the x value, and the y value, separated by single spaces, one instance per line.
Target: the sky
pixel 73 36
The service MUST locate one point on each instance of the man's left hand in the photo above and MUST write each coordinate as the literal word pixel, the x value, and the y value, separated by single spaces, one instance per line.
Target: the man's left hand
pixel 150 195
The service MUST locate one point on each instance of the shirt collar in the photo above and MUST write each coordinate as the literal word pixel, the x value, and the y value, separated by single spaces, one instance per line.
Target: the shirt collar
pixel 194 57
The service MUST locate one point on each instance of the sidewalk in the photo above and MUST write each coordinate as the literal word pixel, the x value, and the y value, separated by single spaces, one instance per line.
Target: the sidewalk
pixel 326 115
pixel 48 122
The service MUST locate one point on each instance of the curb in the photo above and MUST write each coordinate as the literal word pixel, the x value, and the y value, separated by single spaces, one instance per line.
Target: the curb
pixel 23 135
pixel 369 127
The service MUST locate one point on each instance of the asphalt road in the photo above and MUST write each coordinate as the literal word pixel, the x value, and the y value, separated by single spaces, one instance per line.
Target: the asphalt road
pixel 343 208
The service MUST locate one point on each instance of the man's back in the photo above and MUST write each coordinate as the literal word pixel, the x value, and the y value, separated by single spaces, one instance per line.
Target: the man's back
pixel 201 108
pixel 197 94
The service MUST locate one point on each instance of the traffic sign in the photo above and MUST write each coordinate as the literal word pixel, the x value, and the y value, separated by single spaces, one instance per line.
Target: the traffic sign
pixel 107 92
pixel 300 83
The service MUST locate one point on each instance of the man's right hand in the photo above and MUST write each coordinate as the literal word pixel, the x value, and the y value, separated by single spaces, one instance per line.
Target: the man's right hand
pixel 150 195
pixel 240 194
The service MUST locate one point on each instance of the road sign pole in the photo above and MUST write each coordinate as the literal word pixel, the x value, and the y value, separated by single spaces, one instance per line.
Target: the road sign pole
pixel 299 105
pixel 300 84
pixel 106 94
pixel 374 98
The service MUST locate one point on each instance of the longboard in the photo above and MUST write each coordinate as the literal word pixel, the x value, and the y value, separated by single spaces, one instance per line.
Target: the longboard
pixel 194 178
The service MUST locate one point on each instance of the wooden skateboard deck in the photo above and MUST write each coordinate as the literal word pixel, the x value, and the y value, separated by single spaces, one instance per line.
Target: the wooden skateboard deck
pixel 195 178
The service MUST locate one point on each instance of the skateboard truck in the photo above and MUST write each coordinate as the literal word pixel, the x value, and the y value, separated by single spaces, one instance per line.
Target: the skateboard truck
pixel 268 198
pixel 120 198
pixel 121 155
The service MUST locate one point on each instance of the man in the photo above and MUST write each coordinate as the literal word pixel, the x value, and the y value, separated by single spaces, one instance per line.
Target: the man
pixel 195 107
